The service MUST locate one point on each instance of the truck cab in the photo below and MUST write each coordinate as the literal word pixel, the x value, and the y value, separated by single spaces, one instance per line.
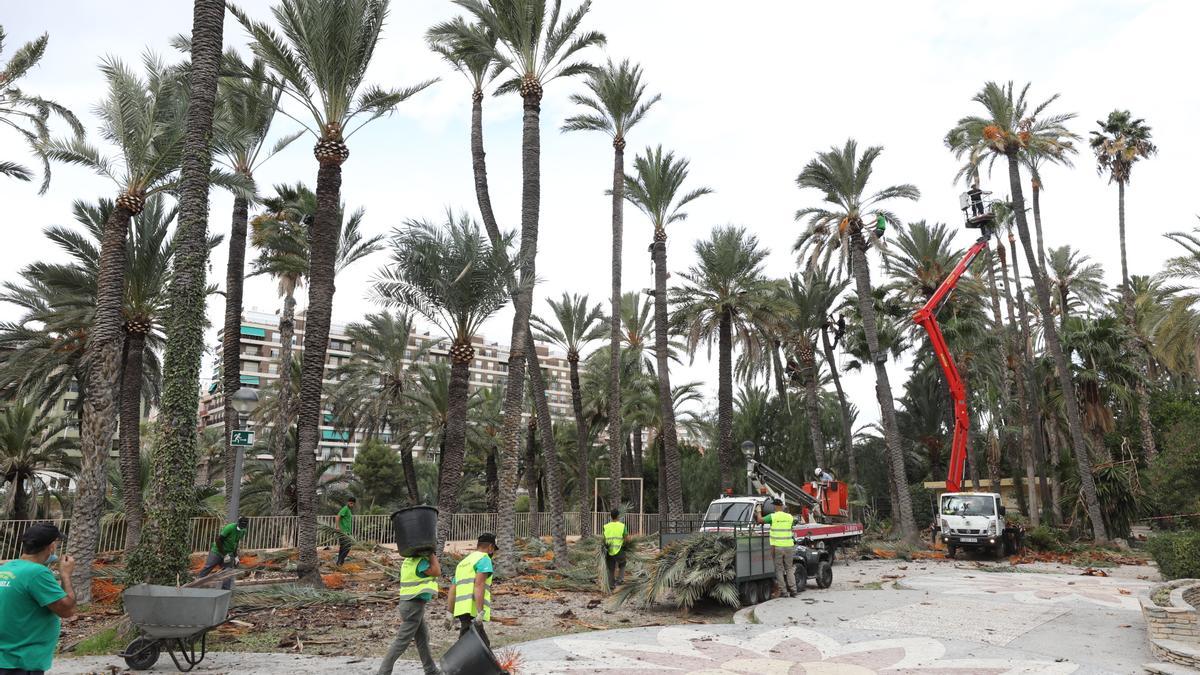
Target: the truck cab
pixel 975 520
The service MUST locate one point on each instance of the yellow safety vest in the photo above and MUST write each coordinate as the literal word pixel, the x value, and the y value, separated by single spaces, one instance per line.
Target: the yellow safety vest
pixel 413 584
pixel 464 588
pixel 614 536
pixel 781 529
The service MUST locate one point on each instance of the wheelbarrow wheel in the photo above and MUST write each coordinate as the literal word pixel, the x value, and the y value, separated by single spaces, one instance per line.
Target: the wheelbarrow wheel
pixel 142 654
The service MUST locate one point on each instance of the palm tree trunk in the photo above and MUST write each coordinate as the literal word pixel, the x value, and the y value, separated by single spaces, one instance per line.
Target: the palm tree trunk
pixel 1054 347
pixel 162 555
pixel 843 407
pixel 20 498
pixel 550 466
pixel 492 490
pixel 777 371
pixel 323 237
pixel 103 353
pixel 812 405
pixel 231 337
pixel 1121 227
pixel 410 474
pixel 1143 394
pixel 1027 390
pixel 131 438
pixel 456 442
pixel 664 507
pixel 902 511
pixel 285 412
pixel 1056 485
pixel 1004 416
pixel 666 402
pixel 530 474
pixel 1036 188
pixel 614 330
pixel 725 399
pixel 582 451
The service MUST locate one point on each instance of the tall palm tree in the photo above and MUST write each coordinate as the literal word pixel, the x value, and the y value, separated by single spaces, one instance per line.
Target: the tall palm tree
pixel 452 276
pixel 162 553
pixel 1009 129
pixel 320 62
pixel 536 48
pixel 841 174
pixel 656 189
pixel 1121 142
pixel 576 324
pixel 1034 161
pixel 246 110
pixel 144 119
pixel 615 106
pixel 372 392
pixel 18 109
pixel 725 295
pixel 807 302
pixel 1074 277
pixel 30 445
pixel 149 256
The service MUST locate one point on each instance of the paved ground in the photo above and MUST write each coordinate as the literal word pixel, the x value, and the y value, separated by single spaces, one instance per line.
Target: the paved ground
pixel 944 618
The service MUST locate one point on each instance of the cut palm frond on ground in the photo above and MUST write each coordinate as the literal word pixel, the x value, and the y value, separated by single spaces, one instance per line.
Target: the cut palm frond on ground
pixel 687 571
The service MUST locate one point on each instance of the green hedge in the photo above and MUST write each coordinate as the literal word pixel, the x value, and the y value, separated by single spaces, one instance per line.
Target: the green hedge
pixel 1177 554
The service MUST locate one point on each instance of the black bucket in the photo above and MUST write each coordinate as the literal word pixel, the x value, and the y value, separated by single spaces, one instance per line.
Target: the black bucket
pixel 415 529
pixel 470 656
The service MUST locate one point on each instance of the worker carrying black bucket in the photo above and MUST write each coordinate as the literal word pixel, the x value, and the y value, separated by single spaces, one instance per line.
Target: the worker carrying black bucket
pixel 783 548
pixel 418 585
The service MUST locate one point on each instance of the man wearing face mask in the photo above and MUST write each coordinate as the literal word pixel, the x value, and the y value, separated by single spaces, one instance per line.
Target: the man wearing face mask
pixel 32 601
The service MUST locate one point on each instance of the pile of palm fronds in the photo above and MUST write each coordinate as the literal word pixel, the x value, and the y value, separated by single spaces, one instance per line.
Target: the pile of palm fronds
pixel 293 596
pixel 689 570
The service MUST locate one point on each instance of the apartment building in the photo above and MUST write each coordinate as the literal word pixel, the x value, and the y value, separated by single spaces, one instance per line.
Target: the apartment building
pixel 260 343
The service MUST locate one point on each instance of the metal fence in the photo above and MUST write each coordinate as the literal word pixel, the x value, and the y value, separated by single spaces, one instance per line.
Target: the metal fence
pixel 280 531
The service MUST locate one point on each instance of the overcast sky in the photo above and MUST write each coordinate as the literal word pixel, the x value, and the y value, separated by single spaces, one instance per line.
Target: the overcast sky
pixel 751 91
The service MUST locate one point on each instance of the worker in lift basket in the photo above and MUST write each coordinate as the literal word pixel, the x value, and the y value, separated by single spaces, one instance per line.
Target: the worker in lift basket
pixel 783 547
pixel 823 476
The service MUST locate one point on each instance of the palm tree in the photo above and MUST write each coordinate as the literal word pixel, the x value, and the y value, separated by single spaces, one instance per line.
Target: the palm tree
pixel 149 256
pixel 614 107
pixel 807 302
pixel 536 49
pixel 1034 162
pixel 30 446
pixel 656 190
pixel 452 276
pixel 841 174
pixel 246 110
pixel 723 298
pixel 1120 143
pixel 1010 129
pixel 1072 273
pixel 144 118
pixel 320 62
pixel 576 325
pixel 372 391
pixel 18 108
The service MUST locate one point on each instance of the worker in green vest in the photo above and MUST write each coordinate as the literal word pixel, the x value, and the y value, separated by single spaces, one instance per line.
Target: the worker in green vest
pixel 224 550
pixel 615 538
pixel 783 547
pixel 345 519
pixel 471 592
pixel 418 585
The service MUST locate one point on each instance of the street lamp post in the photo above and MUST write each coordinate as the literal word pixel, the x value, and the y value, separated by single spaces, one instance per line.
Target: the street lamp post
pixel 244 401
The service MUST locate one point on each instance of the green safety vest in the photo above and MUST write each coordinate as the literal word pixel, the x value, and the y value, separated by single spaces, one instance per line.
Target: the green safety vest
pixel 464 588
pixel 781 529
pixel 412 584
pixel 614 536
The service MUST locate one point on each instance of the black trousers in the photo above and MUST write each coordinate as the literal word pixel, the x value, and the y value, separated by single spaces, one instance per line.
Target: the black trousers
pixel 464 625
pixel 343 548
pixel 616 568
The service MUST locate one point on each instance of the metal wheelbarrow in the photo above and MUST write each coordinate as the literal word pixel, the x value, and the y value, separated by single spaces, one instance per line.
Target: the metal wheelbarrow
pixel 173 619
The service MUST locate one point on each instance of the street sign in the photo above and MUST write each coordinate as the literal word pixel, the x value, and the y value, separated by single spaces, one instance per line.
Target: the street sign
pixel 241 439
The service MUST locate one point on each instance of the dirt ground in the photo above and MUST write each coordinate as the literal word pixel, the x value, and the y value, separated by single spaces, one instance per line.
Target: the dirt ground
pixel 362 619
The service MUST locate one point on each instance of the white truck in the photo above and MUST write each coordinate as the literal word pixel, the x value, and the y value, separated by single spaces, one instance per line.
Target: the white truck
pixel 975 520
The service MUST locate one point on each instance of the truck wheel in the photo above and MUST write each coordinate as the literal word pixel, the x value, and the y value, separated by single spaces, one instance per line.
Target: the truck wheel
pixel 824 574
pixel 999 550
pixel 748 593
pixel 951 549
pixel 764 589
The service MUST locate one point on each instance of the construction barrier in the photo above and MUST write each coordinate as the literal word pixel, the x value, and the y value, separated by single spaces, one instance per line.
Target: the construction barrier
pixel 280 531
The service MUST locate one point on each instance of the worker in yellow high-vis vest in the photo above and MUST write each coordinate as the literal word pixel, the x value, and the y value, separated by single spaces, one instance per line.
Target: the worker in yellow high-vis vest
pixel 783 548
pixel 418 585
pixel 471 591
pixel 616 535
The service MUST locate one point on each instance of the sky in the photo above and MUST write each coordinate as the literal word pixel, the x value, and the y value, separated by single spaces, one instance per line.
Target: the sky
pixel 751 91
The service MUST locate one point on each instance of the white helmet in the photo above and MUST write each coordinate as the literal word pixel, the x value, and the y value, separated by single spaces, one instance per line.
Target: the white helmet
pixel 817 471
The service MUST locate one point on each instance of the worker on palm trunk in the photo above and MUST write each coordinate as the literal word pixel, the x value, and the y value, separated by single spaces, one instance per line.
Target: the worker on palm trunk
pixel 223 553
pixel 471 592
pixel 783 548
pixel 615 538
pixel 418 585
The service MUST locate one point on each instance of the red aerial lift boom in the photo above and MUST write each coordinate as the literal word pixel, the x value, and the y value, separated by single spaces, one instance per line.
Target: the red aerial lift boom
pixel 978 216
